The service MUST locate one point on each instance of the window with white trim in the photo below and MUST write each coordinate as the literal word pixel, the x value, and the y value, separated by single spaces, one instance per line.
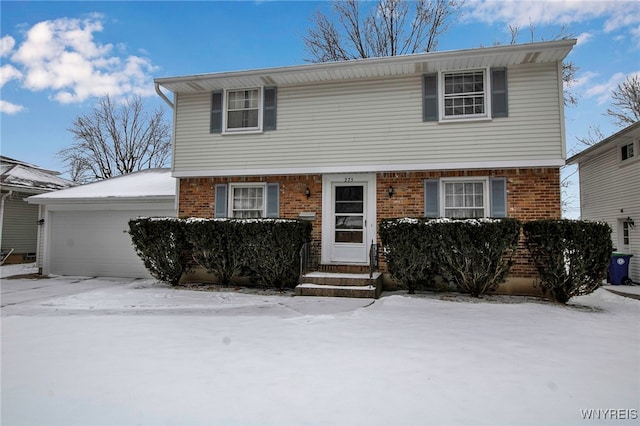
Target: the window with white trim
pixel 243 109
pixel 464 199
pixel 464 94
pixel 247 201
pixel 627 151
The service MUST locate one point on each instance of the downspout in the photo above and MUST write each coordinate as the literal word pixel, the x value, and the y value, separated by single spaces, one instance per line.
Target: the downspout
pixel 4 197
pixel 162 95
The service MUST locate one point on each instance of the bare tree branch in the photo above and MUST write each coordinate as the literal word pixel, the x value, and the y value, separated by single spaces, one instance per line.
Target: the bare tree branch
pixel 360 29
pixel 625 104
pixel 116 138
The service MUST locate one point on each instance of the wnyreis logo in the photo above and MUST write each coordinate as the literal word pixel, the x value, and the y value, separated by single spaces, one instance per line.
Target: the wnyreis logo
pixel 609 414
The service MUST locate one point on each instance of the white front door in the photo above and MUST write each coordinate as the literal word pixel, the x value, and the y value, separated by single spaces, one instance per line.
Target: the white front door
pixel 348 218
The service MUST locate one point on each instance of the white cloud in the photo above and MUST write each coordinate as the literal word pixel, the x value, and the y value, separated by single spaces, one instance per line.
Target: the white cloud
pixel 62 56
pixel 6 45
pixel 8 73
pixel 618 14
pixel 584 38
pixel 9 108
pixel 602 91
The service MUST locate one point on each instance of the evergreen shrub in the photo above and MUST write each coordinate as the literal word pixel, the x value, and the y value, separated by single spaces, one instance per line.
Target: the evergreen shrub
pixel 264 249
pixel 477 253
pixel 217 246
pixel 162 245
pixel 474 254
pixel 571 256
pixel 272 256
pixel 410 252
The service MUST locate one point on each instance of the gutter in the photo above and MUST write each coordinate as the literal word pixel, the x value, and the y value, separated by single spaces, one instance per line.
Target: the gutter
pixel 162 95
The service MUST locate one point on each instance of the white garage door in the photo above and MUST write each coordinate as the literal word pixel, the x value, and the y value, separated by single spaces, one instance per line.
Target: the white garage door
pixel 93 243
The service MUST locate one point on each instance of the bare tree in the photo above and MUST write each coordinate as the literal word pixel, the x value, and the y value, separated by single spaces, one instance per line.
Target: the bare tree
pixel 117 138
pixel 360 29
pixel 625 104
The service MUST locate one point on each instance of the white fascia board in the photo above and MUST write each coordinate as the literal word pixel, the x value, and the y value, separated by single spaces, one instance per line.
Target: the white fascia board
pixel 101 201
pixel 371 168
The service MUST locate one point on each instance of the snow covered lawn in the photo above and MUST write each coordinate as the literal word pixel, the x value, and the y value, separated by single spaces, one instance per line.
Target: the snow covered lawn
pixel 123 352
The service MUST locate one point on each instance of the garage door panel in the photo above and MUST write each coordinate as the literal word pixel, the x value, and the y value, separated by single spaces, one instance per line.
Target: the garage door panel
pixel 95 243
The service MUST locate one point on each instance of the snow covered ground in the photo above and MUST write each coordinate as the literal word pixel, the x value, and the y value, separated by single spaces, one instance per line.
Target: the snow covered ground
pixel 82 351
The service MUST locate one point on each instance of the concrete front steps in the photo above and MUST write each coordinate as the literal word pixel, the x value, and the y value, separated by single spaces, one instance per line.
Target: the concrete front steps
pixel 340 284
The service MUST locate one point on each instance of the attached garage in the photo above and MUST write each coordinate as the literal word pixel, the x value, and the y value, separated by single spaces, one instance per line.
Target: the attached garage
pixel 83 230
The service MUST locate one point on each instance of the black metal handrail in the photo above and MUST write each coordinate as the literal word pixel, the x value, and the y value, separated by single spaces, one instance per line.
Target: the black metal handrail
pixel 304 260
pixel 373 258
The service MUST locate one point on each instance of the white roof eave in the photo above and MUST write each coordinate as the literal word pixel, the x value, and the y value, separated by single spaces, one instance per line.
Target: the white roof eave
pixel 373 67
pixel 101 200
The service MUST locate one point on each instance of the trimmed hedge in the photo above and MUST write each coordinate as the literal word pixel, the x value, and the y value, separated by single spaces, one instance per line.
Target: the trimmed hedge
pixel 264 249
pixel 571 256
pixel 477 253
pixel 217 246
pixel 162 245
pixel 409 249
pixel 473 254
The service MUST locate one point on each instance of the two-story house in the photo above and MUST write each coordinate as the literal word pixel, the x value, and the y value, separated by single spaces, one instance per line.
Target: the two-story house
pixel 467 133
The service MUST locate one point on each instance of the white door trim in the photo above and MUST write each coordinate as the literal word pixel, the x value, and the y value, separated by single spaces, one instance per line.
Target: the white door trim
pixel 328 182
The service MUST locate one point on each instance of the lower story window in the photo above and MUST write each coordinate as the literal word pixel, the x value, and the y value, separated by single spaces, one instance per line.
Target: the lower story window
pixel 464 199
pixel 247 201
pixel 625 232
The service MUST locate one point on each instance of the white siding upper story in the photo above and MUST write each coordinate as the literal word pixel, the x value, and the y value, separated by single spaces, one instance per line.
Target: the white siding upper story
pixel 374 124
pixel 610 189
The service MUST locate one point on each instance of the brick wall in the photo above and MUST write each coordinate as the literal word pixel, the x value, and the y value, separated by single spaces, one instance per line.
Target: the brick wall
pixel 532 194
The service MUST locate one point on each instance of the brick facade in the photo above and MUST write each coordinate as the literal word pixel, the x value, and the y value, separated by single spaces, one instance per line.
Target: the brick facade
pixel 532 194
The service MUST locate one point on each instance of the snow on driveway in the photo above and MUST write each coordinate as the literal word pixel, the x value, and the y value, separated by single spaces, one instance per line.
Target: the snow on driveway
pixel 124 352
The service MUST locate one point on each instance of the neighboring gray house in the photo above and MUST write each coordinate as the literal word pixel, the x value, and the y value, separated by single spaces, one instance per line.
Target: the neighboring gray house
pixel 19 232
pixel 610 189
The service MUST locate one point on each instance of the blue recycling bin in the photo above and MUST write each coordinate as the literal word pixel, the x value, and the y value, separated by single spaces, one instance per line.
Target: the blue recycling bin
pixel 619 268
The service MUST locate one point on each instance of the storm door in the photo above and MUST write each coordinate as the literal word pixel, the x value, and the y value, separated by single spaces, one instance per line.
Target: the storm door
pixel 349 220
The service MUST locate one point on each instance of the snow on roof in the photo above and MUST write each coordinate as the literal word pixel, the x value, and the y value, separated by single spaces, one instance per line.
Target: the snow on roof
pixel 21 176
pixel 151 183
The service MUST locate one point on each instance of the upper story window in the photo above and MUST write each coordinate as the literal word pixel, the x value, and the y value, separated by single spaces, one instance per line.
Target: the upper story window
pixel 627 152
pixel 464 94
pixel 469 94
pixel 243 110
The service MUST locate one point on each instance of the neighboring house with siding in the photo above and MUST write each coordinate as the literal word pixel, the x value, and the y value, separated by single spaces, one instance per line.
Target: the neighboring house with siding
pixel 466 133
pixel 609 174
pixel 19 220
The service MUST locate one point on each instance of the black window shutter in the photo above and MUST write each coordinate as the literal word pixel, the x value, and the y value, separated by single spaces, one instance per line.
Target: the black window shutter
pixel 430 97
pixel 499 104
pixel 498 191
pixel 269 108
pixel 216 112
pixel 221 200
pixel 273 200
pixel 432 198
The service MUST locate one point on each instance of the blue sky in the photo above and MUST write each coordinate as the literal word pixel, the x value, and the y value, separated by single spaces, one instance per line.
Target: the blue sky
pixel 119 47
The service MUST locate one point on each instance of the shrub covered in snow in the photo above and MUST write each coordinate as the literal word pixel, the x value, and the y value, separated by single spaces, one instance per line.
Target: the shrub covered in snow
pixel 571 256
pixel 217 246
pixel 409 249
pixel 265 249
pixel 473 254
pixel 162 245
pixel 476 255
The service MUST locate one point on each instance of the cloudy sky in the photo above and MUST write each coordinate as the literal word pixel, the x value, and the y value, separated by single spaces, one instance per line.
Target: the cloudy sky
pixel 59 57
